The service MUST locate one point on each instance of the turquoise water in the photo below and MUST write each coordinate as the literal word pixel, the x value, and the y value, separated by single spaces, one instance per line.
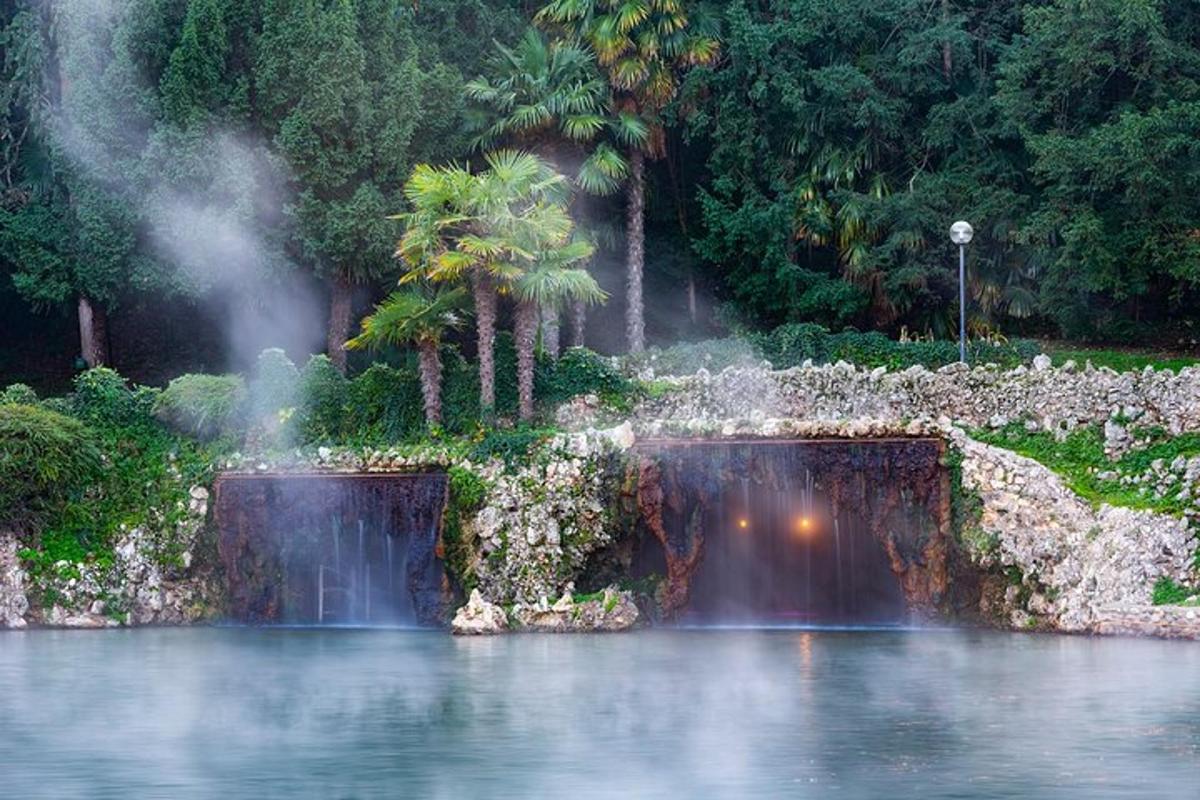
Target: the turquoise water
pixel 313 713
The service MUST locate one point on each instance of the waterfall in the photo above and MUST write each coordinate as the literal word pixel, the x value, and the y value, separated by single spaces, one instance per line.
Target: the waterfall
pixel 809 532
pixel 332 550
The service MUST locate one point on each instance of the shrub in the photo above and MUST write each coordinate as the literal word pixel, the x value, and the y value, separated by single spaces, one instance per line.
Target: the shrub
pixel 321 401
pixel 19 393
pixel 204 406
pixel 579 371
pixel 103 397
pixel 509 445
pixel 274 385
pixel 45 459
pixel 384 404
pixel 792 344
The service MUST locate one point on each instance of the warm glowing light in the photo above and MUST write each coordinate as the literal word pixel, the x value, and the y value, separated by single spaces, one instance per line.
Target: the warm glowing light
pixel 743 523
pixel 804 524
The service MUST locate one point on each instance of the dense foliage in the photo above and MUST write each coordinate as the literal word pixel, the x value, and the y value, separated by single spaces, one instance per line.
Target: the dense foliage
pixel 803 157
pixel 793 344
pixel 45 458
pixel 92 465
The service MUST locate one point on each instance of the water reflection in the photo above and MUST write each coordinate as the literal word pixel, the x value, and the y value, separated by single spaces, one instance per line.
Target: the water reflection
pixel 695 714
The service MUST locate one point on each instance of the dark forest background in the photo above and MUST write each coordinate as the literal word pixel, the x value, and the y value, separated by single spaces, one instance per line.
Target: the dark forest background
pixel 198 179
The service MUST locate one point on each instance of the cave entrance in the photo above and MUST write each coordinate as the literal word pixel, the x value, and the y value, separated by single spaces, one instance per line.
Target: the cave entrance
pixel 333 549
pixel 794 532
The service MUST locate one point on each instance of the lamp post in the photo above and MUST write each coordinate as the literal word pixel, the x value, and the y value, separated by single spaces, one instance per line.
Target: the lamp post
pixel 961 233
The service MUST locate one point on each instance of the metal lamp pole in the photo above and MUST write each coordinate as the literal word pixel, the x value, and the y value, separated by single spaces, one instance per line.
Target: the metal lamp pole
pixel 961 233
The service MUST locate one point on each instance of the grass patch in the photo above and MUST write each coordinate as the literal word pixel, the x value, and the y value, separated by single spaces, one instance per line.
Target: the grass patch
pixel 1079 459
pixel 1118 359
pixel 1169 593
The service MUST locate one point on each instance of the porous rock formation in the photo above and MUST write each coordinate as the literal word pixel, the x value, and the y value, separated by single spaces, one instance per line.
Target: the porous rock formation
pixel 154 577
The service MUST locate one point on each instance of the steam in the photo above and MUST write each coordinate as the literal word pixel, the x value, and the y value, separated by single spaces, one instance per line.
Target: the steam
pixel 217 230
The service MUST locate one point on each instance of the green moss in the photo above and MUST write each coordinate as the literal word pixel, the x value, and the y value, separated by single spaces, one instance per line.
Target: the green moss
pixel 1169 593
pixel 966 509
pixel 467 492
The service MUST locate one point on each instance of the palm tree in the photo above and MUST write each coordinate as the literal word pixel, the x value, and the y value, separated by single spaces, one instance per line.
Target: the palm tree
pixel 483 229
pixel 643 45
pixel 420 316
pixel 548 96
pixel 553 280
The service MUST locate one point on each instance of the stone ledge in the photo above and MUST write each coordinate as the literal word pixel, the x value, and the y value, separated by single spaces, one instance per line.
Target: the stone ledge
pixel 1164 622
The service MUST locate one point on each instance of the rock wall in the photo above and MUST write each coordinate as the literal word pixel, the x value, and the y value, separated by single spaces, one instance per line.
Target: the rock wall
pixel 153 578
pixel 1057 398
pixel 1074 563
pixel 540 522
pixel 14 604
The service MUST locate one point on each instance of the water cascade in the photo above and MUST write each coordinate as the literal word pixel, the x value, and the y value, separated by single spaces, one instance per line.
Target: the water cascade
pixel 820 531
pixel 342 550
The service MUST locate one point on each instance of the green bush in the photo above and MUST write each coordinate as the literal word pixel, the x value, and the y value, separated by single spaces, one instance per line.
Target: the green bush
pixel 274 385
pixel 579 371
pixel 508 445
pixel 792 344
pixel 384 404
pixel 204 406
pixel 321 401
pixel 103 397
pixel 46 458
pixel 19 393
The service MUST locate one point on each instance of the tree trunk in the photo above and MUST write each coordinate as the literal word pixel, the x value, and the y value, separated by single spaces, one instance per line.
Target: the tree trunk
pixel 525 333
pixel 341 295
pixel 430 364
pixel 947 56
pixel 93 333
pixel 548 317
pixel 691 296
pixel 578 316
pixel 635 235
pixel 484 294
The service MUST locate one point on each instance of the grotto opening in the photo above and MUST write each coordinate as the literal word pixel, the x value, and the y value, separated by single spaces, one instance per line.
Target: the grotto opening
pixel 361 549
pixel 795 531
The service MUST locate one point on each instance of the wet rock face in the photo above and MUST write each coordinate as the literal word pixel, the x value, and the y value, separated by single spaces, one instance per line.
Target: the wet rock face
pixel 351 549
pixel 823 530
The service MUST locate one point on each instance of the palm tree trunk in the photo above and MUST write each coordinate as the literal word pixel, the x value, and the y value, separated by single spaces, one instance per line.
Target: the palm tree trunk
pixel 430 366
pixel 635 239
pixel 525 333
pixel 340 297
pixel 548 317
pixel 484 293
pixel 578 315
pixel 93 333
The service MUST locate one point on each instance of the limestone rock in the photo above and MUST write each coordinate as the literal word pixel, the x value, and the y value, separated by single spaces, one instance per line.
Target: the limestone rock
pixel 479 617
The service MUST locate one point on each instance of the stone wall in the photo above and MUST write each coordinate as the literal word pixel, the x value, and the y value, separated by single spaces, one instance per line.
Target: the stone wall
pixel 153 578
pixel 1074 563
pixel 1056 398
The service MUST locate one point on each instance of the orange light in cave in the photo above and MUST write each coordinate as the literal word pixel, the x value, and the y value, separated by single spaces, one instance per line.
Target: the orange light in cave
pixel 743 523
pixel 804 524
